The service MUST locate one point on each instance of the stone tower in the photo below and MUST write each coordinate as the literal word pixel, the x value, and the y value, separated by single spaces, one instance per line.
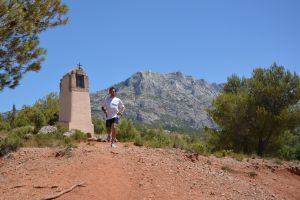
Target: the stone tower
pixel 74 101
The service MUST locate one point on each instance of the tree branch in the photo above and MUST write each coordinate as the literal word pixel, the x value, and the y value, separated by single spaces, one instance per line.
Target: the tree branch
pixel 63 192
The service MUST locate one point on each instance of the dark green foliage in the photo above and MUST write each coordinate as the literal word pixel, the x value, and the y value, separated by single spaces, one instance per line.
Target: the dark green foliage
pixel 288 146
pixel 47 140
pixel 9 144
pixel 23 118
pixel 3 124
pixel 99 125
pixel 79 136
pixel 38 119
pixel 26 137
pixel 30 116
pixel 214 140
pixel 49 106
pixel 126 131
pixel 44 111
pixel 138 141
pixel 21 22
pixel 22 131
pixel 156 138
pixel 254 113
pixel 179 141
pixel 11 116
pixel 199 148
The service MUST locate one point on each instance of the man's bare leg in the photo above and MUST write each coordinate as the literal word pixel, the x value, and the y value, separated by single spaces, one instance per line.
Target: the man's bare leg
pixel 108 131
pixel 113 133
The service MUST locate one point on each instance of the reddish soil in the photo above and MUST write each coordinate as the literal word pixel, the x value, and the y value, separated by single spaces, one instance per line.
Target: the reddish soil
pixel 130 172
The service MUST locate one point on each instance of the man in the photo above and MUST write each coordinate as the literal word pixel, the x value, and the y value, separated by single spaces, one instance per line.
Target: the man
pixel 113 108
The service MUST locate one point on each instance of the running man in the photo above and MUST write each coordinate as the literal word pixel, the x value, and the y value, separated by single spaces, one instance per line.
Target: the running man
pixel 113 108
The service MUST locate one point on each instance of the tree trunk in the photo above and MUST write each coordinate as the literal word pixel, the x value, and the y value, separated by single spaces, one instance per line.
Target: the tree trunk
pixel 261 147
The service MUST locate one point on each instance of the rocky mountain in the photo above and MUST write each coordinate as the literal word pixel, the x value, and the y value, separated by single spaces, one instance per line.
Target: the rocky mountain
pixel 173 101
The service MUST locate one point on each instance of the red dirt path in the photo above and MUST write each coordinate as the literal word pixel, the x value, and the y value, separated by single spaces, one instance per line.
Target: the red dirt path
pixel 130 172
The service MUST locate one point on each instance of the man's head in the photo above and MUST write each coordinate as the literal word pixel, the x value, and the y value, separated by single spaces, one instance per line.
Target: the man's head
pixel 112 91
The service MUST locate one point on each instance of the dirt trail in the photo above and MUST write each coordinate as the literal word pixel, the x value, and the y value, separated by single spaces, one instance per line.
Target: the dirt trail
pixel 130 172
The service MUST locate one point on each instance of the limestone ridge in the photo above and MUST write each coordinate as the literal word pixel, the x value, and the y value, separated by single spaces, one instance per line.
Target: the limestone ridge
pixel 170 100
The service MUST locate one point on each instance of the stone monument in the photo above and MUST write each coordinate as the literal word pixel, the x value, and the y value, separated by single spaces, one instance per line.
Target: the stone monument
pixel 74 101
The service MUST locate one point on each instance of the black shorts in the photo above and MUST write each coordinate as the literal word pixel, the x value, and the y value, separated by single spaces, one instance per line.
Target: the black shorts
pixel 111 121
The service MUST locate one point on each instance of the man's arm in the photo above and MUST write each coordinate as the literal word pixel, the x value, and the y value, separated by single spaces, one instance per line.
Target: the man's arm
pixel 122 108
pixel 103 108
pixel 121 111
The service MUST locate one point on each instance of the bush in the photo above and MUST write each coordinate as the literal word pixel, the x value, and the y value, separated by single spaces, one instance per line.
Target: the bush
pixel 49 106
pixel 126 131
pixel 213 140
pixel 79 136
pixel 99 125
pixel 48 140
pixel 22 131
pixel 4 126
pixel 287 146
pixel 223 153
pixel 138 141
pixel 10 143
pixel 38 120
pixel 177 141
pixel 30 116
pixel 198 148
pixel 156 138
pixel 18 137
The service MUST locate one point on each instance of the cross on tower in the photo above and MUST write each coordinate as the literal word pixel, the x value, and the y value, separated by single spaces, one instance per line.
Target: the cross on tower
pixel 79 65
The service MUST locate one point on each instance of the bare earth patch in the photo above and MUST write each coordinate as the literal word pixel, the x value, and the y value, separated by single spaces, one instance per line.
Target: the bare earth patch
pixel 130 172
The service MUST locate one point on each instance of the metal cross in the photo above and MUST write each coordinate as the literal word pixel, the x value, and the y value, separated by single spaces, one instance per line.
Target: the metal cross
pixel 79 65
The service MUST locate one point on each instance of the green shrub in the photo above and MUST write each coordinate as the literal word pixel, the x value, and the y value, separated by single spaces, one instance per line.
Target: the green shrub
pixel 277 161
pixel 156 138
pixel 198 148
pixel 223 153
pixel 4 126
pixel 126 131
pixel 238 156
pixel 178 142
pixel 79 136
pixel 138 141
pixel 288 146
pixel 213 140
pixel 30 116
pixel 38 120
pixel 21 121
pixel 10 143
pixel 99 126
pixel 49 140
pixel 49 106
pixel 22 131
pixel 195 137
pixel 61 129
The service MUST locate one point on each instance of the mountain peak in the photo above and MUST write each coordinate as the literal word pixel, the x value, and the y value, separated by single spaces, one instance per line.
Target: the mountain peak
pixel 171 100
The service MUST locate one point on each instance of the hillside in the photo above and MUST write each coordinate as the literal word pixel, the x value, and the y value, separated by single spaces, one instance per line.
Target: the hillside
pixel 130 172
pixel 170 100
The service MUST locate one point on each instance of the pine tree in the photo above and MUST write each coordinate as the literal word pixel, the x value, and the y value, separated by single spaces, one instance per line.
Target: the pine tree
pixel 13 116
pixel 255 112
pixel 21 22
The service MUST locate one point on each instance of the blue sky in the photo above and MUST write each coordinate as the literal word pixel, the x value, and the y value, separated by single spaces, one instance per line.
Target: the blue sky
pixel 209 39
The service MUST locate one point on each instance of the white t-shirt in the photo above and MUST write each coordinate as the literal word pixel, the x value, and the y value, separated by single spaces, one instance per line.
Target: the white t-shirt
pixel 112 106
